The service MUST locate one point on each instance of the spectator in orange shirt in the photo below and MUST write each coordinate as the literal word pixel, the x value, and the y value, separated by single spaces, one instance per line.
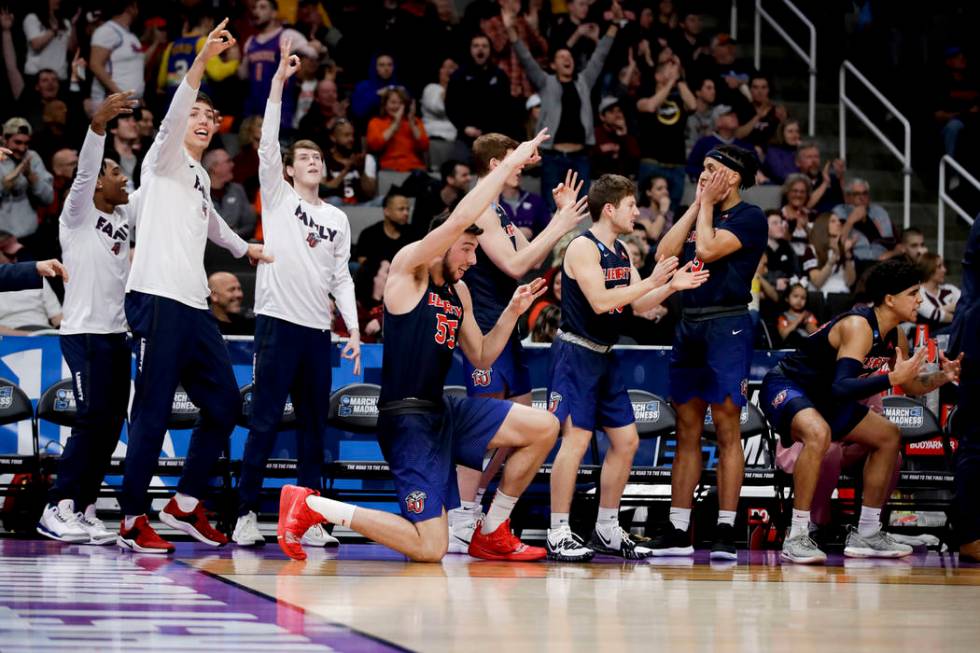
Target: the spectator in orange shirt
pixel 397 137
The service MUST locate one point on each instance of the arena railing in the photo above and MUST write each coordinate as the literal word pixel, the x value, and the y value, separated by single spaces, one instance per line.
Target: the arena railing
pixel 904 155
pixel 809 58
pixel 733 29
pixel 945 198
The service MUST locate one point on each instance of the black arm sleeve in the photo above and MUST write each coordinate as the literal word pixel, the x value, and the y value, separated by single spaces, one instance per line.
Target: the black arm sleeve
pixel 848 386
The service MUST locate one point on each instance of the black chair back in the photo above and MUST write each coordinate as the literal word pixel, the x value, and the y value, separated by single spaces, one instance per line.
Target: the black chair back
pixel 751 421
pixel 15 405
pixel 183 412
pixel 915 422
pixel 287 423
pixel 57 404
pixel 455 391
pixel 354 408
pixel 654 416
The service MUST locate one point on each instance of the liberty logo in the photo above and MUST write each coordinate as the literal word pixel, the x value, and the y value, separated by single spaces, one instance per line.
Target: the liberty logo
pixel 319 231
pixel 415 502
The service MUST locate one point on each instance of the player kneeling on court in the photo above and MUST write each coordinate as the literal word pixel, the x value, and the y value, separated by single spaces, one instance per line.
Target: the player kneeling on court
pixel 600 288
pixel 813 396
pixel 422 433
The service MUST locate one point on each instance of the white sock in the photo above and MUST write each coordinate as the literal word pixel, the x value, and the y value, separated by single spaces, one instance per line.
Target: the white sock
pixel 608 519
pixel 559 519
pixel 680 518
pixel 478 499
pixel 499 512
pixel 90 512
pixel 800 525
pixel 467 513
pixel 130 521
pixel 335 512
pixel 726 517
pixel 185 503
pixel 870 521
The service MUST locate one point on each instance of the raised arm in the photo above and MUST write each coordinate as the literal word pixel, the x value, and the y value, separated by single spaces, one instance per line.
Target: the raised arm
pixel 90 159
pixel 270 158
pixel 14 76
pixel 713 244
pixel 535 73
pixel 924 383
pixel 482 350
pixel 672 244
pixel 469 209
pixel 167 151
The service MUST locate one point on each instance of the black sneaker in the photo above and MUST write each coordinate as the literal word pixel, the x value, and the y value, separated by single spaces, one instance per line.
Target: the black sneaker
pixel 673 542
pixel 565 546
pixel 724 546
pixel 628 548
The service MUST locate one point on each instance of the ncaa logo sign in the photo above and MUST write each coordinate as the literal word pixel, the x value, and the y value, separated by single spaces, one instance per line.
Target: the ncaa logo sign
pixel 358 406
pixel 906 417
pixel 646 411
pixel 64 401
pixel 6 397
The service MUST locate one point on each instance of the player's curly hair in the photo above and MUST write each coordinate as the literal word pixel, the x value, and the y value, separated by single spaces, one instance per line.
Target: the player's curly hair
pixel 890 278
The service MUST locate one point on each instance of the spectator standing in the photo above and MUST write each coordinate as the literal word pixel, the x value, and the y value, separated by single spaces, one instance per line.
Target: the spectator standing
pixel 731 76
pixel 796 211
pixel 397 136
pixel 759 120
pixel 24 178
pixel 318 123
pixel 225 301
pixel 116 59
pixel 702 121
pixel 180 53
pixel 229 198
pixel 247 159
pixel 350 176
pixel 566 104
pixel 780 161
pixel 663 126
pixel 478 97
pixel 441 130
pixel 382 240
pixel 829 261
pixel 50 37
pixel 616 151
pixel 867 223
pixel 503 51
pixel 687 41
pixel 125 147
pixel 826 181
pixel 957 97
pixel 305 85
pixel 575 33
pixel 939 298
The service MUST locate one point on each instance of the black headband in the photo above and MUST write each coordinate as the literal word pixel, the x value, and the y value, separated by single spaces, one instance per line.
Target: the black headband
pixel 729 162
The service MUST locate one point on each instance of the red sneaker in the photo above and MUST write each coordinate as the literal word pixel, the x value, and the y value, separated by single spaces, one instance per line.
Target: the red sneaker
pixel 194 523
pixel 502 545
pixel 295 518
pixel 141 538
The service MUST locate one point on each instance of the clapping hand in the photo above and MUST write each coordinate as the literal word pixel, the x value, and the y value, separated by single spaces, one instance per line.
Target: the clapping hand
pixel 664 270
pixel 686 278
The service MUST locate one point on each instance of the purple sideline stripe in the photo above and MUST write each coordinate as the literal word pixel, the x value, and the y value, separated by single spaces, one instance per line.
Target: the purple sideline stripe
pixel 101 598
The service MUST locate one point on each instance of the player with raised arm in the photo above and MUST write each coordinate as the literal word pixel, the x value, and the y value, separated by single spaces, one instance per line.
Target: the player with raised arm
pixel 503 258
pixel 310 240
pixel 586 390
pixel 423 434
pixel 94 234
pixel 814 396
pixel 176 337
pixel 712 352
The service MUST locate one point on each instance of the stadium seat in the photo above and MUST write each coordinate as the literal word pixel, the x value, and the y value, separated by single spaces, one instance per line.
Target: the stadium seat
pixel 915 422
pixel 454 391
pixel 23 495
pixel 389 178
pixel 57 404
pixel 354 408
pixel 287 423
pixel 655 417
pixel 15 406
pixel 752 423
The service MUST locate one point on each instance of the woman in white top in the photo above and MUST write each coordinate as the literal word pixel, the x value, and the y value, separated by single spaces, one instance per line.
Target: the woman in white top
pixel 938 297
pixel 434 118
pixel 796 196
pixel 828 262
pixel 49 40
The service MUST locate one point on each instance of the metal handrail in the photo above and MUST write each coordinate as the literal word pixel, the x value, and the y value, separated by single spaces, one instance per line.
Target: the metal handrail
pixel 904 156
pixel 733 29
pixel 945 198
pixel 810 59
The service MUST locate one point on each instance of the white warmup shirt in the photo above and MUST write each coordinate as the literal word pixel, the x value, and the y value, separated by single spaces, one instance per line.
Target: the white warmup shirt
pixel 125 62
pixel 176 217
pixel 310 244
pixel 95 248
pixel 54 55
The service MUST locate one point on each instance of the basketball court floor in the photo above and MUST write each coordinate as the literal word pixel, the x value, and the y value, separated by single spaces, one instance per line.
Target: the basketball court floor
pixel 364 597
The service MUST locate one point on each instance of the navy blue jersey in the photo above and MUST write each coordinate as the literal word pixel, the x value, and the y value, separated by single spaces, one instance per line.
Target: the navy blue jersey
pixel 577 315
pixel 490 287
pixel 419 346
pixel 813 365
pixel 730 283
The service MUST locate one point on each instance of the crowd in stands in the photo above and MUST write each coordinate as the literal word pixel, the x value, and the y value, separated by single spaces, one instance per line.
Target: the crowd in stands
pixel 639 88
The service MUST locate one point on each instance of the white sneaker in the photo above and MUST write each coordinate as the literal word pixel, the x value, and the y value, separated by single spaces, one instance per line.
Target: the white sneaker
pixel 878 545
pixel 461 531
pixel 61 523
pixel 247 531
pixel 98 534
pixel 315 535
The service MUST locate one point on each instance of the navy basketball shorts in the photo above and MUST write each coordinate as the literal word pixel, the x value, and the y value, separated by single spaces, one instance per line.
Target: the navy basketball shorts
pixel 508 374
pixel 423 449
pixel 711 359
pixel 588 386
pixel 782 398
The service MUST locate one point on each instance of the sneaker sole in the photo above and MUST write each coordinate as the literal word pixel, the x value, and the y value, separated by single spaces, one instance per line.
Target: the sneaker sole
pixel 519 557
pixel 860 552
pixel 102 540
pixel 323 545
pixel 612 553
pixel 723 555
pixel 810 560
pixel 184 527
pixel 123 543
pixel 80 539
pixel 462 548
pixel 249 543
pixel 558 557
pixel 674 551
